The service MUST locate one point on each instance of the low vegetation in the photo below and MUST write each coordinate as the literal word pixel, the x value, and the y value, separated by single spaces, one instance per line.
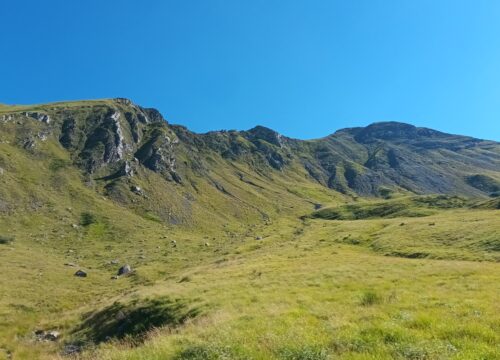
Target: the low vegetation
pixel 400 207
pixel 133 319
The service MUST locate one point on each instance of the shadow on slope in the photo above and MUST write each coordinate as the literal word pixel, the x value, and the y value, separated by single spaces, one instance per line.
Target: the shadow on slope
pixel 134 319
pixel 417 206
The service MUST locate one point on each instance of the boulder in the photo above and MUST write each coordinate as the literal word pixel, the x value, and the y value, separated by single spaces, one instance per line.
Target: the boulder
pixel 124 270
pixel 52 335
pixel 81 273
pixel 136 190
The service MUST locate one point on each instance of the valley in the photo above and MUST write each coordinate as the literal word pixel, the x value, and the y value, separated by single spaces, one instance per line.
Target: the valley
pixel 371 243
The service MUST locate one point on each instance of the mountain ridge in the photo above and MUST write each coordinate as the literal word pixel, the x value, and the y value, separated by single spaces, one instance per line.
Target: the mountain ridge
pixel 7 107
pixel 116 144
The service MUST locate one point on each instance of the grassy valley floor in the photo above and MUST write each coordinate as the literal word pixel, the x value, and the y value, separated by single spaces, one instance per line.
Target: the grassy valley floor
pixel 309 289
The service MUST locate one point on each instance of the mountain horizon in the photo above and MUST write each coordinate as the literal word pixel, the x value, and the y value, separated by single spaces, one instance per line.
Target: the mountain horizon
pixel 257 124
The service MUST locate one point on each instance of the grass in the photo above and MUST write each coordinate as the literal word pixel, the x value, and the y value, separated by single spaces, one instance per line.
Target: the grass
pixel 132 320
pixel 303 292
pixel 376 282
pixel 416 206
pixel 314 304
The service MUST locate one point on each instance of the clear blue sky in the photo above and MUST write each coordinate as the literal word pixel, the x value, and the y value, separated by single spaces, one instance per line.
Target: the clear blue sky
pixel 305 68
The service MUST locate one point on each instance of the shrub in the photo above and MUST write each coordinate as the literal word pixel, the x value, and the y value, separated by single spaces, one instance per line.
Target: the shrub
pixel 370 297
pixel 87 218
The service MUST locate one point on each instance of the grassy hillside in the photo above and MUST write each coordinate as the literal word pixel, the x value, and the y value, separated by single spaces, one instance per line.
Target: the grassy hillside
pixel 240 245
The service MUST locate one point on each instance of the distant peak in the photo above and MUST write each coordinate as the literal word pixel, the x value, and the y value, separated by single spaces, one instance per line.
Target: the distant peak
pixel 123 101
pixel 392 130
pixel 261 129
pixel 266 134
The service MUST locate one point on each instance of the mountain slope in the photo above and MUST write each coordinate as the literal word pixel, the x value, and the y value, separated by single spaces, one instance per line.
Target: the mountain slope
pixel 227 250
pixel 133 156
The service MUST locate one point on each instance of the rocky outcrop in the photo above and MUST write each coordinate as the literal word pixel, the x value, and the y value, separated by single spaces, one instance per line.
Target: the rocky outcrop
pixel 38 116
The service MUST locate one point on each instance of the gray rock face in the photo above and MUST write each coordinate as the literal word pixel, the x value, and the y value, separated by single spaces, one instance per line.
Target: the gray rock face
pixel 119 139
pixel 6 118
pixel 38 116
pixel 124 270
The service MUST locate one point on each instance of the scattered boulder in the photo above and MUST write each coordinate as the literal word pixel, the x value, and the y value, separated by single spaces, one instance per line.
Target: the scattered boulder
pixel 52 335
pixel 124 270
pixel 207 244
pixel 81 273
pixel 136 190
pixel 71 349
pixel 258 238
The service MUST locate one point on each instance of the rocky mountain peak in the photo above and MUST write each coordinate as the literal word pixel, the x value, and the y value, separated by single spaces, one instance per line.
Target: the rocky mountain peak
pixel 263 133
pixel 392 130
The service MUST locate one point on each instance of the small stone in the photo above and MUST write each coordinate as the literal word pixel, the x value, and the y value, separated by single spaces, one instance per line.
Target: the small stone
pixel 69 264
pixel 258 238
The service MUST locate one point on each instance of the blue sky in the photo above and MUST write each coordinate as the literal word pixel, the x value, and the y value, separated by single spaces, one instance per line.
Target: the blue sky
pixel 305 68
